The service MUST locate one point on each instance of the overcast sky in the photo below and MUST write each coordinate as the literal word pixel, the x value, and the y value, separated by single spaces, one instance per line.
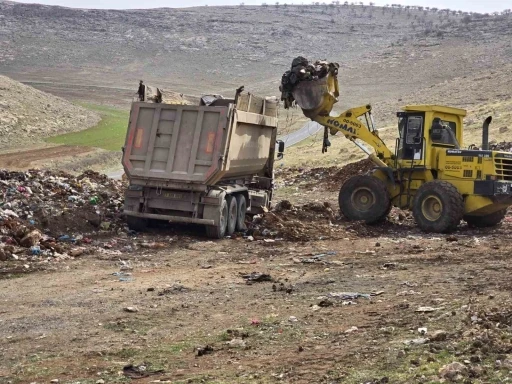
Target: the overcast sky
pixel 465 5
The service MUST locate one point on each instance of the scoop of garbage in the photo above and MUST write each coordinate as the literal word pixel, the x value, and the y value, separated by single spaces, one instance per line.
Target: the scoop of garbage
pixel 317 74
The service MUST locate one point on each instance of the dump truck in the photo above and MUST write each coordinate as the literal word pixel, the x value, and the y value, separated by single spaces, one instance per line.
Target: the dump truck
pixel 209 164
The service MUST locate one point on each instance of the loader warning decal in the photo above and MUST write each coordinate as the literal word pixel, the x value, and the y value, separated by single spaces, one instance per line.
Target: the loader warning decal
pixel 138 138
pixel 211 142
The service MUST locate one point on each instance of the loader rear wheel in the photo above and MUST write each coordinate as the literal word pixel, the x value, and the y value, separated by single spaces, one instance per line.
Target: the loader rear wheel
pixel 438 207
pixel 232 215
pixel 364 198
pixel 241 203
pixel 490 220
pixel 219 231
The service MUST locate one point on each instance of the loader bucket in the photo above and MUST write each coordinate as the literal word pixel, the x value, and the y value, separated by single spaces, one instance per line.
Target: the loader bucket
pixel 317 97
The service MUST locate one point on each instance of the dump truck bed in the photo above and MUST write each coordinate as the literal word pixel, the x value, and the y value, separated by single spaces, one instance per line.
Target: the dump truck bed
pixel 201 145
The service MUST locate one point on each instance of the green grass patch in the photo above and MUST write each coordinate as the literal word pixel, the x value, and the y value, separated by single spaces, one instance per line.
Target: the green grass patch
pixel 108 134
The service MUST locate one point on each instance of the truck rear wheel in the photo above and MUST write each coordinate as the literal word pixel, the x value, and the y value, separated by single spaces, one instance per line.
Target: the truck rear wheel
pixel 137 224
pixel 490 220
pixel 232 215
pixel 438 207
pixel 364 198
pixel 241 203
pixel 219 231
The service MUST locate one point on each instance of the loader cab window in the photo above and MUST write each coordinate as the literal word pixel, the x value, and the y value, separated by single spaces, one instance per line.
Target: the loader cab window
pixel 443 133
pixel 411 136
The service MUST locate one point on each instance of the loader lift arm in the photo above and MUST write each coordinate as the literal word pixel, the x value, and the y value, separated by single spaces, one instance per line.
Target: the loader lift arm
pixel 349 125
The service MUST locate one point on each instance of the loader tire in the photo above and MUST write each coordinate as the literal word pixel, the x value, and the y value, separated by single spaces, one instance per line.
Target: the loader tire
pixel 137 224
pixel 438 207
pixel 365 198
pixel 486 221
pixel 219 231
pixel 232 215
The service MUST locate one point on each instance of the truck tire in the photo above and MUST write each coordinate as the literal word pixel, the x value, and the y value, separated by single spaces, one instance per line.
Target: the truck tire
pixel 232 214
pixel 137 224
pixel 241 203
pixel 438 207
pixel 486 221
pixel 219 231
pixel 364 198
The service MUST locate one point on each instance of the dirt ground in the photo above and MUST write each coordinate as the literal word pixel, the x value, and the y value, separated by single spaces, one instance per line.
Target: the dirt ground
pixel 346 303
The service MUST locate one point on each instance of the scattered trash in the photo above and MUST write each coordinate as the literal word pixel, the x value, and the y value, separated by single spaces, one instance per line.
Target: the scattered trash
pixel 418 341
pixel 393 266
pixel 237 343
pixel 175 288
pixel 439 335
pixel 325 303
pixel 453 371
pixel 131 309
pixel 422 331
pixel 367 252
pixel 282 288
pixel 206 350
pixel 139 372
pixel 352 329
pixel 256 277
pixel 427 309
pixel 349 295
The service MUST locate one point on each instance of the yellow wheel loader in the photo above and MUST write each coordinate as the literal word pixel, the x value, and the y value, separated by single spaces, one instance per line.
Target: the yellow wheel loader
pixel 429 172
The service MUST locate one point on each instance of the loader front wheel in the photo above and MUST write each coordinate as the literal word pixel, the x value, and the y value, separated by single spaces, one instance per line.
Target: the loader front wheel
pixel 438 207
pixel 364 198
pixel 486 221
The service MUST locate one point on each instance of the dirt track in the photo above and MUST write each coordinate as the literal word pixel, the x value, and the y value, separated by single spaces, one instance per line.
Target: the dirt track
pixel 31 158
pixel 70 324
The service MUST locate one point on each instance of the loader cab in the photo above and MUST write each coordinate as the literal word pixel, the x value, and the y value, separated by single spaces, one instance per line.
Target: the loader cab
pixel 411 141
pixel 422 127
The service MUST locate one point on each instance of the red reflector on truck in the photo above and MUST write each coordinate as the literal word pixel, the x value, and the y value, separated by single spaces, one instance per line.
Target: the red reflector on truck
pixel 211 142
pixel 138 138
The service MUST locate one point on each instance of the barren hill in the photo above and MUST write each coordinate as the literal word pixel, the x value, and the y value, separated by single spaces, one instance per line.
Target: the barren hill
pixel 384 52
pixel 27 114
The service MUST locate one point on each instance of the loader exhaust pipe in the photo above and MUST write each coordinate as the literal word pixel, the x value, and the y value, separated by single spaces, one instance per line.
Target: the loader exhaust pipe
pixel 485 134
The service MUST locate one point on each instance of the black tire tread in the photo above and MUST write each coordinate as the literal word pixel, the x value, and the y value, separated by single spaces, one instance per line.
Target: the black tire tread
pixel 215 231
pixel 486 221
pixel 231 227
pixel 137 224
pixel 380 189
pixel 450 220
pixel 240 224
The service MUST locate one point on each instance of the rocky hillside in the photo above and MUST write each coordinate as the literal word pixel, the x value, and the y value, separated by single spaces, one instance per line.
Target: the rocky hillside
pixel 27 114
pixel 384 51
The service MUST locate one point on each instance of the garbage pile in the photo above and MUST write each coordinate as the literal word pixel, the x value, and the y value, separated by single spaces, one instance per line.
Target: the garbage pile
pixel 325 178
pixel 333 178
pixel 44 213
pixel 296 223
pixel 505 146
pixel 303 70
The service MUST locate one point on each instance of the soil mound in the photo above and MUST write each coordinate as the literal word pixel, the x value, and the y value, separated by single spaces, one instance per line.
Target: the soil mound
pixel 28 115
